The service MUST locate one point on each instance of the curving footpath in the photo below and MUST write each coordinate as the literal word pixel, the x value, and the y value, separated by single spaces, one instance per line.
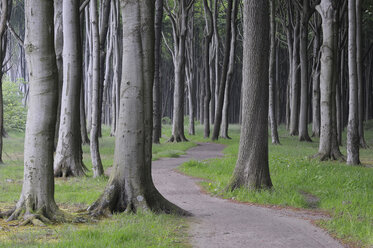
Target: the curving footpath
pixel 222 223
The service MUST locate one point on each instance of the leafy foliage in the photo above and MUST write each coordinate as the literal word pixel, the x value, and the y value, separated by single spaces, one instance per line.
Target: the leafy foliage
pixel 14 111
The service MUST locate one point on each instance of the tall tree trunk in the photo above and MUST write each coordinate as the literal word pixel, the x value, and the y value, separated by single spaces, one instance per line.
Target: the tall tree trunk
pixel 306 13
pixel 95 153
pixel 223 77
pixel 316 80
pixel 252 170
pixel 3 21
pixel 58 44
pixel 272 75
pixel 206 61
pixel 157 121
pixel 353 114
pixel 130 186
pixel 232 55
pixel 294 113
pixel 37 196
pixel 69 155
pixel 83 120
pixel 328 147
pixel 359 54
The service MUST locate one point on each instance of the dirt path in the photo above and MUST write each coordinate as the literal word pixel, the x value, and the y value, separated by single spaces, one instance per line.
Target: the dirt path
pixel 222 223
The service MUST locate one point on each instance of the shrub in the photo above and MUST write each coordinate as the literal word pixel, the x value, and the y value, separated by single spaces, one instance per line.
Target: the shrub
pixel 14 111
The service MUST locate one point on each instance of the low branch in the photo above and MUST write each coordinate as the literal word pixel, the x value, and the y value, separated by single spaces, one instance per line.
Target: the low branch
pixel 15 35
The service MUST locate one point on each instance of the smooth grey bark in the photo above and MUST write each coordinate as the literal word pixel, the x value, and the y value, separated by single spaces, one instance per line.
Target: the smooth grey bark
pixel 353 114
pixel 232 55
pixel 95 122
pixel 37 196
pixel 130 187
pixel 157 97
pixel 83 121
pixel 190 69
pixel 58 44
pixel 223 77
pixel 206 60
pixel 272 75
pixel 294 113
pixel 217 54
pixel 68 160
pixel 359 54
pixel 252 170
pixel 179 20
pixel 316 79
pixel 3 20
pixel 328 146
pixel 306 13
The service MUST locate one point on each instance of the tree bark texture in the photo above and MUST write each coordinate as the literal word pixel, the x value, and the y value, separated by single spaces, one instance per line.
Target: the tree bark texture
pixel 68 160
pixel 130 187
pixel 252 170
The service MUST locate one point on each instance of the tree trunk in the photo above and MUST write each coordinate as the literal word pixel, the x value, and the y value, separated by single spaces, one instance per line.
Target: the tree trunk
pixel 69 155
pixel 303 120
pixel 130 186
pixel 316 81
pixel 58 43
pixel 95 153
pixel 252 169
pixel 37 196
pixel 359 53
pixel 328 147
pixel 157 122
pixel 272 75
pixel 3 21
pixel 353 114
pixel 83 120
pixel 232 55
pixel 206 61
pixel 294 113
pixel 223 77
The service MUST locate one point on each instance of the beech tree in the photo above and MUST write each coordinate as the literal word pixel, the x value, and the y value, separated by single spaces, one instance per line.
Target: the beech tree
pixel 95 122
pixel 252 170
pixel 353 114
pixel 130 186
pixel 69 155
pixel 37 197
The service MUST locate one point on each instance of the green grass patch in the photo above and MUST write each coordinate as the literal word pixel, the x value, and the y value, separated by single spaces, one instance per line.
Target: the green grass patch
pixel 125 230
pixel 344 191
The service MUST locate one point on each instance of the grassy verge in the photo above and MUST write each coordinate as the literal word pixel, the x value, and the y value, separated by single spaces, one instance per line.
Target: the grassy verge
pixel 141 230
pixel 346 192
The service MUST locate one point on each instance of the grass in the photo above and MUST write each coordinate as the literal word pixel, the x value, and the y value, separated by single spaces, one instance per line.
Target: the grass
pixel 346 192
pixel 141 230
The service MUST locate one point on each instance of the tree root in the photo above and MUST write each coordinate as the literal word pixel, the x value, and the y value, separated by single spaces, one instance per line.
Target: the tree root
pixel 334 155
pixel 363 143
pixel 177 138
pixel 305 138
pixel 115 200
pixel 64 169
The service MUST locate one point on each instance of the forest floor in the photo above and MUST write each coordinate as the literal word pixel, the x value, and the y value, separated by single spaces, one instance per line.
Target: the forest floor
pixel 330 195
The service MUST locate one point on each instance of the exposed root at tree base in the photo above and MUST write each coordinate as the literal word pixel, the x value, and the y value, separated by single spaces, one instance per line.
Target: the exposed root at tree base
pixel 76 169
pixel 329 156
pixel 178 138
pixel 115 200
pixel 305 138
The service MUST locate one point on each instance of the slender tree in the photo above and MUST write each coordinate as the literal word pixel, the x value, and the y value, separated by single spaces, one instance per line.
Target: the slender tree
pixel 252 170
pixel 353 114
pixel 223 78
pixel 95 153
pixel 328 147
pixel 130 186
pixel 37 196
pixel 69 155
pixel 157 122
pixel 207 41
pixel 272 74
pixel 3 28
